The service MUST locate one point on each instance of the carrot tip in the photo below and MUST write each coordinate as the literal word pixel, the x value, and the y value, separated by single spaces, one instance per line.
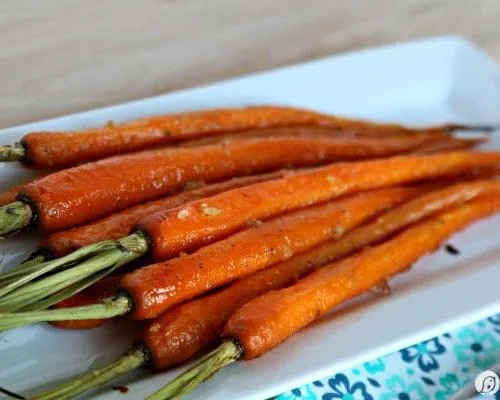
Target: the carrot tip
pixel 227 353
pixel 481 128
pixel 14 216
pixel 16 152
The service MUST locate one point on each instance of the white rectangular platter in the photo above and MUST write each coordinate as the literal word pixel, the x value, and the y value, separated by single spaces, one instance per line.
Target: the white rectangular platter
pixel 423 82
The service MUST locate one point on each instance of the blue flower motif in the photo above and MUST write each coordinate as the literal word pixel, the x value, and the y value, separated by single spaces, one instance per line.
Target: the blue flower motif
pixel 495 320
pixel 480 349
pixel 372 367
pixel 450 384
pixel 399 390
pixel 301 393
pixel 424 353
pixel 342 389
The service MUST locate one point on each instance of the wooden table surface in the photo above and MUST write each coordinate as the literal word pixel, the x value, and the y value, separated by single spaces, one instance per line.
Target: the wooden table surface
pixel 62 56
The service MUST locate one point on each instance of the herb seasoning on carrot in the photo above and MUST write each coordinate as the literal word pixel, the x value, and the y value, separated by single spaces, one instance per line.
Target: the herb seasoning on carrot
pixel 266 321
pixel 244 253
pixel 77 195
pixel 201 222
pixel 175 336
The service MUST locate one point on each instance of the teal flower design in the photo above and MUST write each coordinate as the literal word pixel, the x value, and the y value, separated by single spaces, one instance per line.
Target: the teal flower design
pixel 400 390
pixel 301 393
pixel 475 348
pixel 425 354
pixel 450 384
pixel 372 367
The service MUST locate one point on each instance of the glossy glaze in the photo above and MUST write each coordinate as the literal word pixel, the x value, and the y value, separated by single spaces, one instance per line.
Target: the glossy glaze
pixel 90 191
pixel 268 320
pixel 158 287
pixel 182 228
pixel 121 223
pixel 62 149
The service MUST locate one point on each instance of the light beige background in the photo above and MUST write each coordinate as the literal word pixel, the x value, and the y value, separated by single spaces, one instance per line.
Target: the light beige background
pixel 62 56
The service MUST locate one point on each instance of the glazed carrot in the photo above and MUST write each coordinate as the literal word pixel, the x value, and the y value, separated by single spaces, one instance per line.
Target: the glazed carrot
pixel 78 195
pixel 250 250
pixel 450 144
pixel 166 234
pixel 266 321
pixel 255 248
pixel 120 224
pixel 175 336
pixel 63 149
pixel 176 230
pixel 351 131
pixel 99 291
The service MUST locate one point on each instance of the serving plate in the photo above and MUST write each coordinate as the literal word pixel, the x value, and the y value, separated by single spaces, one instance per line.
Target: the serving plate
pixel 429 81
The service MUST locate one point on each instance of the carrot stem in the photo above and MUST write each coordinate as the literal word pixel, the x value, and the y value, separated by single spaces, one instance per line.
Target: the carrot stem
pixel 16 152
pixel 24 268
pixel 109 308
pixel 14 216
pixel 63 262
pixel 122 252
pixel 227 353
pixel 134 358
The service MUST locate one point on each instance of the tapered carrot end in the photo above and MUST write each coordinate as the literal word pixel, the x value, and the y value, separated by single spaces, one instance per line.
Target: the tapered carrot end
pixel 227 353
pixel 14 217
pixel 17 152
pixel 479 128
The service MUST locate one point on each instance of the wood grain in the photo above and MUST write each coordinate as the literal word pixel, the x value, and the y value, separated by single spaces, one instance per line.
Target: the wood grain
pixel 62 56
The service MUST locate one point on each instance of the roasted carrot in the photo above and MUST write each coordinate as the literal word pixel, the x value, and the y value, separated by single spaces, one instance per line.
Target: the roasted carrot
pixel 351 131
pixel 63 149
pixel 167 234
pixel 120 224
pixel 78 195
pixel 450 144
pixel 241 254
pixel 177 335
pixel 266 321
pixel 177 230
pixel 99 291
pixel 385 225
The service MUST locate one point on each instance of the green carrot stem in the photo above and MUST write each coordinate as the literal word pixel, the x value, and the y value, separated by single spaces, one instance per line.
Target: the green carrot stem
pixel 42 288
pixel 65 292
pixel 14 216
pixel 135 358
pixel 108 308
pixel 22 269
pixel 16 152
pixel 62 262
pixel 227 353
pixel 135 245
pixel 124 251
